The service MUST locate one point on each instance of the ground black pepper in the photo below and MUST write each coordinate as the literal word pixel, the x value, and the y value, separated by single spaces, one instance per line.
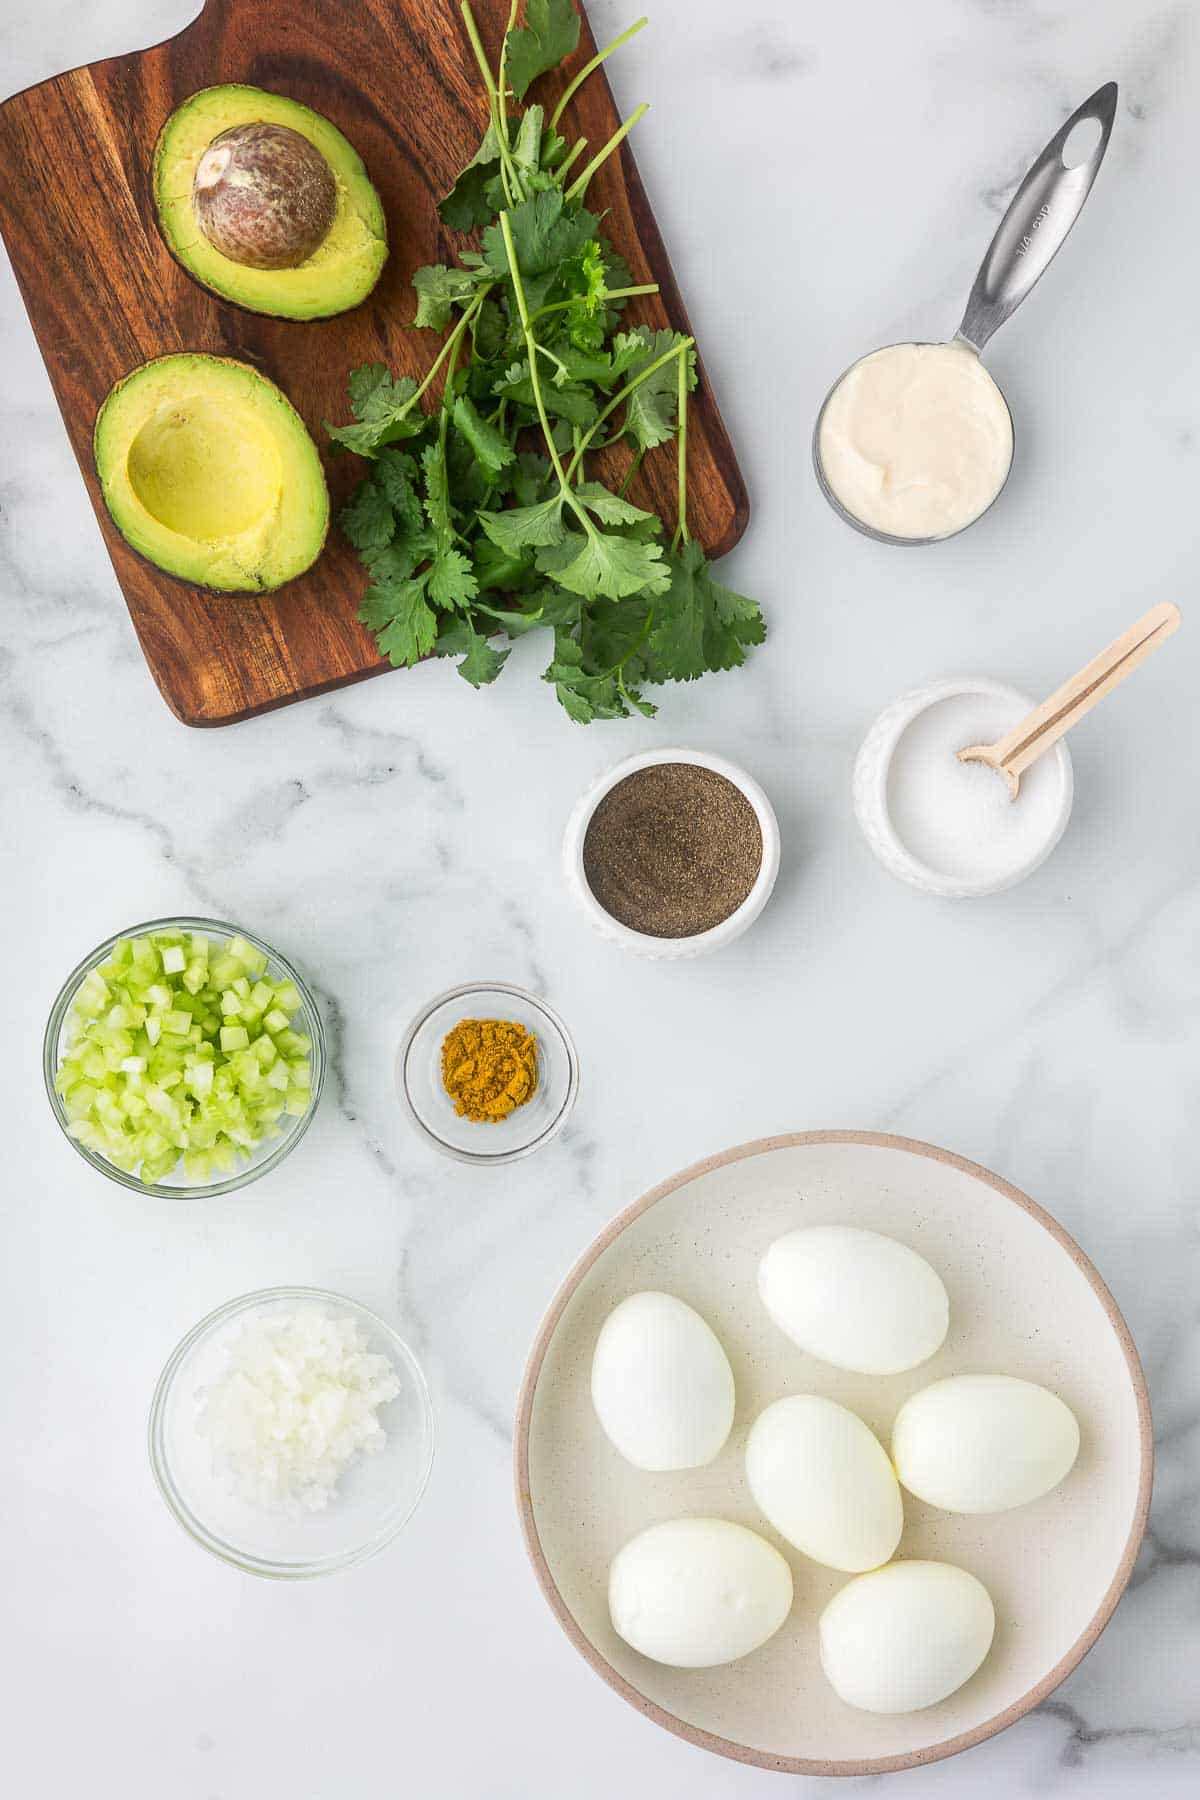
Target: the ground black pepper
pixel 672 850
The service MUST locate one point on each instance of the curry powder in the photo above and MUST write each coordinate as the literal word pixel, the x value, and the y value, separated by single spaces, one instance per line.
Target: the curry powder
pixel 489 1068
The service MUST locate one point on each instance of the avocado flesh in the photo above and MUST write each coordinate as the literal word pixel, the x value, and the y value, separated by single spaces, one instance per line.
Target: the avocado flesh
pixel 209 473
pixel 343 268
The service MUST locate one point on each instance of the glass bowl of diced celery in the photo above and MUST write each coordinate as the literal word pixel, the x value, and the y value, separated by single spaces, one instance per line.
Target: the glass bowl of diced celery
pixel 184 1058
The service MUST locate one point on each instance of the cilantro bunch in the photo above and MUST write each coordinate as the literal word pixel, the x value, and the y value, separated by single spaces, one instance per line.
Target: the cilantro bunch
pixel 480 515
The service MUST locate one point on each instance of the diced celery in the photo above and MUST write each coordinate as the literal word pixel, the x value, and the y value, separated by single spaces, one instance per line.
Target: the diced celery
pixel 252 960
pixel 200 1079
pixel 178 1049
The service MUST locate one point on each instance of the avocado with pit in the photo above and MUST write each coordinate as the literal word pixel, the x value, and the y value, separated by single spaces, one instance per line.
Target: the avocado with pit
pixel 264 201
pixel 210 473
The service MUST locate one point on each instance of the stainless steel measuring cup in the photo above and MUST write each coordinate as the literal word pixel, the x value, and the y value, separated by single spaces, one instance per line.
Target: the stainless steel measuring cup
pixel 1028 237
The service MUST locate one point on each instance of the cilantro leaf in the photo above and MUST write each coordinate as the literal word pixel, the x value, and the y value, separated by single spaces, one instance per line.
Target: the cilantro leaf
pixel 570 401
pixel 602 563
pixel 368 520
pixel 458 637
pixel 451 580
pixel 466 206
pixel 488 446
pixel 550 32
pixel 438 290
pixel 497 571
pixel 651 411
pixel 383 409
pixel 527 145
pixel 699 625
pixel 437 491
pixel 405 626
pixel 545 233
pixel 521 527
pixel 482 663
pixel 612 509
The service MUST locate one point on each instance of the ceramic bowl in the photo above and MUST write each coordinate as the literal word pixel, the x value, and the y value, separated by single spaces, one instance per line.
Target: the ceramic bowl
pixel 1024 1300
pixel 644 943
pixel 872 769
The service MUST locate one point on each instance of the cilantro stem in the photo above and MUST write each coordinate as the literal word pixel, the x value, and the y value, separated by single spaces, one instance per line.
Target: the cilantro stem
pixel 573 87
pixel 449 344
pixel 578 187
pixel 625 293
pixel 485 68
pixel 631 471
pixel 502 78
pixel 577 149
pixel 507 168
pixel 532 346
pixel 556 360
pixel 681 529
pixel 444 419
pixel 681 349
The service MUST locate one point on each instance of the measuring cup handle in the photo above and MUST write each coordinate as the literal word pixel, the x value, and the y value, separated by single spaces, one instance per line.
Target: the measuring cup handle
pixel 1040 215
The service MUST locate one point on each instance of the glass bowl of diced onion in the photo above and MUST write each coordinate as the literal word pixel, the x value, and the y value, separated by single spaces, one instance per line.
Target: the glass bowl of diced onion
pixel 292 1433
pixel 184 1058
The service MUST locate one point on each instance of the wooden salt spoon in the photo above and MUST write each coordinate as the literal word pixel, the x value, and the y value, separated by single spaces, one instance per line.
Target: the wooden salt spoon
pixel 1012 754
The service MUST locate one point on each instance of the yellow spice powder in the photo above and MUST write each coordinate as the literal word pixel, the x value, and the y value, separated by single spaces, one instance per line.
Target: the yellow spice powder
pixel 489 1068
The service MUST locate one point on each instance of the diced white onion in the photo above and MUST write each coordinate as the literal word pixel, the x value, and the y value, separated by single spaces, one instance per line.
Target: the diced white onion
pixel 296 1404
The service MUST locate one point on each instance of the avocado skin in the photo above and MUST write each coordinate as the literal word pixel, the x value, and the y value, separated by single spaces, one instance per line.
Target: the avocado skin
pixel 342 271
pixel 267 559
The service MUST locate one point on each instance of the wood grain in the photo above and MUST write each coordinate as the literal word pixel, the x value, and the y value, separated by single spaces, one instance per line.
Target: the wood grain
pixel 104 295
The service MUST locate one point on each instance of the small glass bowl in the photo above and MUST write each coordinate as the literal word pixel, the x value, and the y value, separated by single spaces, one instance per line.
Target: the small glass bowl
pixel 376 1496
pixel 419 1075
pixel 269 1154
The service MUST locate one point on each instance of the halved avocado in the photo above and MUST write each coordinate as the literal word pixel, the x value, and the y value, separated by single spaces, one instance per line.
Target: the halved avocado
pixel 209 472
pixel 345 265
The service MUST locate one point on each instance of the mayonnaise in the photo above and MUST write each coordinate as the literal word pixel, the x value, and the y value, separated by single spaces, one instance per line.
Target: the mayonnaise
pixel 916 440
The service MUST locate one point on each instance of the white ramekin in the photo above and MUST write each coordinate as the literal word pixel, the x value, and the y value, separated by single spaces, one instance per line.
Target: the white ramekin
pixel 871 800
pixel 644 943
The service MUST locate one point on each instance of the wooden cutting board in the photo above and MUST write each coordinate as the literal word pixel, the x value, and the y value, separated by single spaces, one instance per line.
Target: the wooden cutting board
pixel 103 295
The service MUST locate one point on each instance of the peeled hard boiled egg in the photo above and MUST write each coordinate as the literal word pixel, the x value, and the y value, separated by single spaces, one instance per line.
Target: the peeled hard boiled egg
pixel 906 1636
pixel 983 1443
pixel 854 1298
pixel 661 1384
pixel 697 1592
pixel 825 1483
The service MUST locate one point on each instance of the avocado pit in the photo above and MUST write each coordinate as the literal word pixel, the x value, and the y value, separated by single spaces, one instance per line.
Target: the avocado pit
pixel 264 196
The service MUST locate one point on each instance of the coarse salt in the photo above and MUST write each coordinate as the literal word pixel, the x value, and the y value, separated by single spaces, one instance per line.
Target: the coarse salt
pixel 957 818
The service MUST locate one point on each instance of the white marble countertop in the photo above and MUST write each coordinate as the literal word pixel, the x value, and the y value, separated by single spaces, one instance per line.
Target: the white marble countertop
pixel 827 180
